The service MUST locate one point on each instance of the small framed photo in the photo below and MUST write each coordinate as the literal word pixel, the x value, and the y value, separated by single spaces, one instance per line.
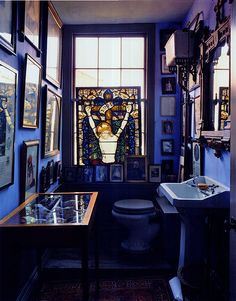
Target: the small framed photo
pixel 8 25
pixel 164 67
pixel 167 127
pixel 101 173
pixel 167 167
pixel 69 174
pixel 88 174
pixel 30 154
pixel 164 37
pixel 168 85
pixel 155 173
pixel 54 51
pixel 168 105
pixel 32 89
pixel 167 146
pixel 31 28
pixel 116 173
pixel 136 168
pixel 51 132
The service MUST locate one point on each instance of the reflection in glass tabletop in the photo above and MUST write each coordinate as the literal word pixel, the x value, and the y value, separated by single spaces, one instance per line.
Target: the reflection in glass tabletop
pixel 53 209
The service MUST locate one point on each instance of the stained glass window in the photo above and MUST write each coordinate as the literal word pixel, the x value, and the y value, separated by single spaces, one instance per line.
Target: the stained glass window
pixel 108 124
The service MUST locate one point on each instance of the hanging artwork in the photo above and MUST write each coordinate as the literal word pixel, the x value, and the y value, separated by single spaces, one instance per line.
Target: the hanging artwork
pixel 8 80
pixel 108 124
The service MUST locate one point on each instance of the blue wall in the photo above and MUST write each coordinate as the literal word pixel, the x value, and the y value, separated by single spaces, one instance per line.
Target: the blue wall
pixel 216 168
pixel 10 196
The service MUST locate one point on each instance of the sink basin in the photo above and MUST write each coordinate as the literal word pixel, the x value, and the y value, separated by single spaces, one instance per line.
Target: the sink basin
pixel 188 194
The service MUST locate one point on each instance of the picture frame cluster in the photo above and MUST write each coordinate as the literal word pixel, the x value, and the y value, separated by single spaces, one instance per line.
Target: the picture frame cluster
pixel 135 169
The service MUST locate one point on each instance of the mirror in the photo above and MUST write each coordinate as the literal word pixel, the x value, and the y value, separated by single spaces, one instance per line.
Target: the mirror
pixel 215 93
pixel 219 89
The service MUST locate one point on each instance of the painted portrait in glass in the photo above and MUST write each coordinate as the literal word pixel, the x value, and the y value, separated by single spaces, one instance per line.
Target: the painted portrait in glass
pixel 109 124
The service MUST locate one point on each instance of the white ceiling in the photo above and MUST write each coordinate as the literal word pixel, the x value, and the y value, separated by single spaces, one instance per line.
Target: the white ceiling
pixel 121 11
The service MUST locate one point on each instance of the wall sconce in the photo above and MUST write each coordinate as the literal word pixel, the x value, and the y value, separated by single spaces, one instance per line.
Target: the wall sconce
pixel 180 56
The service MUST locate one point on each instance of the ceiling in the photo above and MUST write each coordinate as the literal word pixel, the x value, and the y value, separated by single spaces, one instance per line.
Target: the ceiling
pixel 121 11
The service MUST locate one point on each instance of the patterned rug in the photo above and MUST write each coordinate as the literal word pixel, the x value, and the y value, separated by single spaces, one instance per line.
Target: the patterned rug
pixel 147 289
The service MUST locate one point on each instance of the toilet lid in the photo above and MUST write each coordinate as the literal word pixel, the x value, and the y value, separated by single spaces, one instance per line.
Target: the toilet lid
pixel 133 206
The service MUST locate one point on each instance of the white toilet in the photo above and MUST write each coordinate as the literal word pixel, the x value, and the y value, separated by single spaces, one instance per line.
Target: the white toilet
pixel 140 219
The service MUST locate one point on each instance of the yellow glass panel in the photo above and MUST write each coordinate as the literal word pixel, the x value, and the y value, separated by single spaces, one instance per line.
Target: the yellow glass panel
pixel 86 78
pixel 132 52
pixel 109 52
pixel 86 53
pixel 133 78
pixel 109 78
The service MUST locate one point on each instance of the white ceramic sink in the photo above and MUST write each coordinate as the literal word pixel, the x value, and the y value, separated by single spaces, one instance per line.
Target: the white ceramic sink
pixel 188 194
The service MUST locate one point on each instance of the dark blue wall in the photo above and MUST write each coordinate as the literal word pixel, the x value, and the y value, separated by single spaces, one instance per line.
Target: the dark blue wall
pixel 10 196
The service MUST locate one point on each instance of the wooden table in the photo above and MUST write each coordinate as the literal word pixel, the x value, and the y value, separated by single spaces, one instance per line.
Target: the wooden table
pixel 52 220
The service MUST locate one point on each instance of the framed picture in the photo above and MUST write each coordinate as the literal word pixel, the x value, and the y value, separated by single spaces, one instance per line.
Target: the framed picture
pixel 164 67
pixel 101 173
pixel 31 27
pixel 30 153
pixel 54 44
pixel 168 85
pixel 168 106
pixel 167 167
pixel 167 146
pixel 155 173
pixel 51 133
pixel 32 89
pixel 8 25
pixel 116 173
pixel 167 127
pixel 69 174
pixel 164 37
pixel 88 174
pixel 136 169
pixel 196 154
pixel 8 83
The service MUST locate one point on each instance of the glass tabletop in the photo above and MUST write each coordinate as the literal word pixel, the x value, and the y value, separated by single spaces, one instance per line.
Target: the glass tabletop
pixel 53 209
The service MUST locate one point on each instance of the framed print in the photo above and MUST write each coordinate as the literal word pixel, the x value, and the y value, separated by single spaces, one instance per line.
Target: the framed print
pixel 32 89
pixel 167 167
pixel 101 173
pixel 8 83
pixel 51 133
pixel 167 146
pixel 167 127
pixel 88 174
pixel 136 169
pixel 32 22
pixel 164 67
pixel 8 25
pixel 54 43
pixel 168 105
pixel 30 154
pixel 155 173
pixel 168 85
pixel 116 173
pixel 164 37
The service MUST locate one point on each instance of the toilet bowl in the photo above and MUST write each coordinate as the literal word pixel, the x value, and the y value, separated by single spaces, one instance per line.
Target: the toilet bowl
pixel 140 219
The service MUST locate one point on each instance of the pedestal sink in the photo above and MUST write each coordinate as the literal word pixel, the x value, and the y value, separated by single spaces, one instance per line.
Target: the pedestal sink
pixel 194 205
pixel 189 194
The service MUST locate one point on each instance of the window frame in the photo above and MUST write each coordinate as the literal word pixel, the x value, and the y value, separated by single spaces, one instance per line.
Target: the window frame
pixel 124 30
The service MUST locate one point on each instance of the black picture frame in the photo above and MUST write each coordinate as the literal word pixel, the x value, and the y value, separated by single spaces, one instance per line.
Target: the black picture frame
pixel 8 93
pixel 53 47
pixel 69 174
pixel 30 157
pixel 154 173
pixel 167 167
pixel 51 127
pixel 31 93
pixel 8 25
pixel 167 146
pixel 167 127
pixel 116 173
pixel 136 168
pixel 31 24
pixel 168 85
pixel 164 37
pixel 101 173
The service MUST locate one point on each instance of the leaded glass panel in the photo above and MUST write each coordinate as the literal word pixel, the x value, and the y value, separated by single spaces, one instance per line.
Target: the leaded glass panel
pixel 108 124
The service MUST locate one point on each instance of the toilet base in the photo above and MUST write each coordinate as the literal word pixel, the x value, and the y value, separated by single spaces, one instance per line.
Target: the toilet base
pixel 135 246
